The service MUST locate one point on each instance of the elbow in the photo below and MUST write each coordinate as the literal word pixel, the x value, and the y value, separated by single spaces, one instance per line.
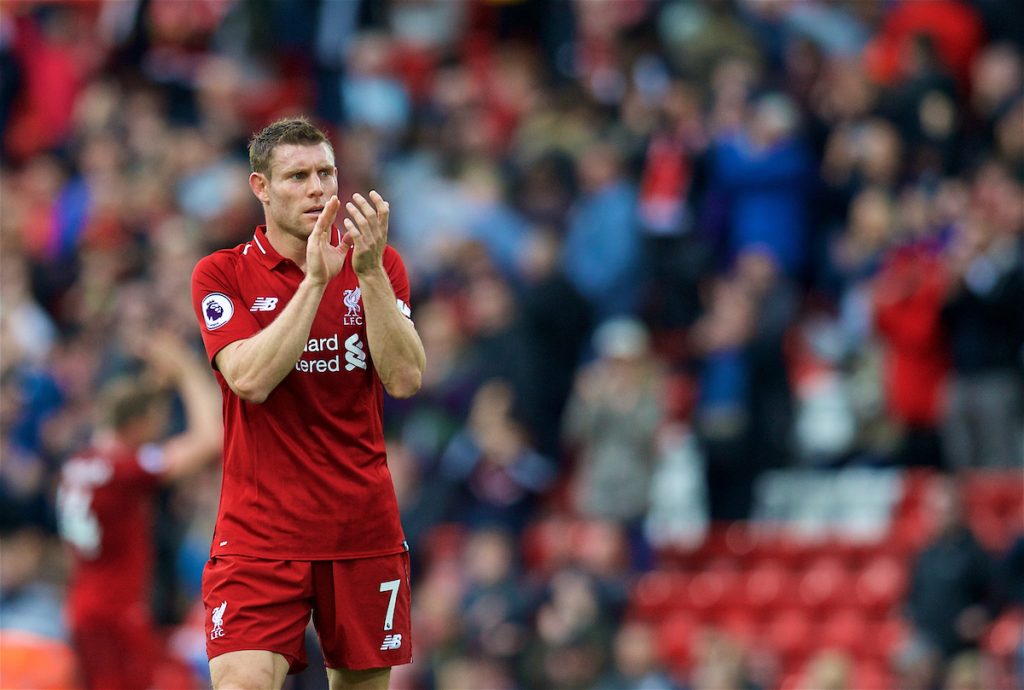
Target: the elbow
pixel 250 390
pixel 405 384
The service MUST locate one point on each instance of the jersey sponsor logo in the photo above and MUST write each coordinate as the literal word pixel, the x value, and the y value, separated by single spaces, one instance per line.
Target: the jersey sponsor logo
pixel 391 642
pixel 353 316
pixel 404 308
pixel 218 621
pixel 264 304
pixel 355 356
pixel 217 310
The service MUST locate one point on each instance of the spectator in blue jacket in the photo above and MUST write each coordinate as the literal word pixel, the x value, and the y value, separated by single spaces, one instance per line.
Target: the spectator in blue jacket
pixel 766 172
pixel 601 254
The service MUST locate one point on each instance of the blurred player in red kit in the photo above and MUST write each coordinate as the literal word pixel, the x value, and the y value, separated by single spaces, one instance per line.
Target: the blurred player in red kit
pixel 105 501
pixel 307 324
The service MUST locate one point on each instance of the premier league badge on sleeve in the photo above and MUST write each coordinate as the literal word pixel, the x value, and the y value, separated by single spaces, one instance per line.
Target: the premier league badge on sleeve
pixel 217 310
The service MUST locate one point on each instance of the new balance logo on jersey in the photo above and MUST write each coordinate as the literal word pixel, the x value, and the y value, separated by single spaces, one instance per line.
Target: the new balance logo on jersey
pixel 353 317
pixel 218 621
pixel 391 642
pixel 355 356
pixel 264 304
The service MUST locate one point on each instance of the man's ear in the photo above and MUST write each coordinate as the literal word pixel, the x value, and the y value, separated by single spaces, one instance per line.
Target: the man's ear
pixel 259 184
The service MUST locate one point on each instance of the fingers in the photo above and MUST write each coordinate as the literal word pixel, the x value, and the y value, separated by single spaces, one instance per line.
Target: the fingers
pixel 352 233
pixel 327 216
pixel 371 219
pixel 383 208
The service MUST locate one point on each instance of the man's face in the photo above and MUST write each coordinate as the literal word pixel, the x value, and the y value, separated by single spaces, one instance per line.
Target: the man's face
pixel 302 179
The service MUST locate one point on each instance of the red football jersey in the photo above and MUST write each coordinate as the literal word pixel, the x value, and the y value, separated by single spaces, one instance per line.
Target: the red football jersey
pixel 104 504
pixel 305 472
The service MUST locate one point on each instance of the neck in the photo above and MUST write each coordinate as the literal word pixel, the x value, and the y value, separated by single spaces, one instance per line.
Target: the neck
pixel 287 245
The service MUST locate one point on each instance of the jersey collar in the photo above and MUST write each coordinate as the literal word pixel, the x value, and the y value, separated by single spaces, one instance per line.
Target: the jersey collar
pixel 265 252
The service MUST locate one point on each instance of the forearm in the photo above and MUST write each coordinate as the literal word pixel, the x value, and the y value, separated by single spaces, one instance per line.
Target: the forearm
pixel 253 367
pixel 394 344
pixel 201 398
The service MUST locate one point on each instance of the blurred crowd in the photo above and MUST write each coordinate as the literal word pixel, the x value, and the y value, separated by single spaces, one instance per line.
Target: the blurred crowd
pixel 657 249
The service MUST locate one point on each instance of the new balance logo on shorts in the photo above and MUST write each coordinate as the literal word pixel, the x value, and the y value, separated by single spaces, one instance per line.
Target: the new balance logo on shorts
pixel 391 642
pixel 264 304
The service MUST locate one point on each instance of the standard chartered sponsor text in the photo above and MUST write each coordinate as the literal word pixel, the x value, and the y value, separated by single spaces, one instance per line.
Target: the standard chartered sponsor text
pixel 321 364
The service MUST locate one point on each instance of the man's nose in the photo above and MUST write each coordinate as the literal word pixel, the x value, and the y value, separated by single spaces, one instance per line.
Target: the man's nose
pixel 316 188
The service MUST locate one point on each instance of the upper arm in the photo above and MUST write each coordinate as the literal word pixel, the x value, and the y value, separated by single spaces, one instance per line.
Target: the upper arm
pixel 185 454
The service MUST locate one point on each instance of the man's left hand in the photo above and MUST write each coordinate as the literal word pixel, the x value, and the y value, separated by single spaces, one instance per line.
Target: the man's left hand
pixel 367 231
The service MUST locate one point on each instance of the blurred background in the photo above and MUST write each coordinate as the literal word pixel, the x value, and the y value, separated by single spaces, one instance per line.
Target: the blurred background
pixel 723 305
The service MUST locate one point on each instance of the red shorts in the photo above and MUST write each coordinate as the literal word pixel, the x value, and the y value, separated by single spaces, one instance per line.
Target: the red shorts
pixel 360 608
pixel 101 643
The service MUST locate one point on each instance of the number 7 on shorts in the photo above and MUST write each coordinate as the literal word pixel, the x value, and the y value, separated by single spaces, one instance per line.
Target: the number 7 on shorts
pixel 390 586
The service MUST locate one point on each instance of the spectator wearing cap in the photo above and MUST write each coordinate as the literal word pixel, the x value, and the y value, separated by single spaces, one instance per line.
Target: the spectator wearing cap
pixel 613 413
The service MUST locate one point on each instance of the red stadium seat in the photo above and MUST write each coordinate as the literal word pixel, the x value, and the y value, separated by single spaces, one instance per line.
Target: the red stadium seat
pixel 826 583
pixel 712 590
pixel 740 623
pixel 1006 635
pixel 792 681
pixel 658 592
pixel 675 639
pixel 889 636
pixel 768 586
pixel 790 635
pixel 880 585
pixel 871 676
pixel 844 629
pixel 546 544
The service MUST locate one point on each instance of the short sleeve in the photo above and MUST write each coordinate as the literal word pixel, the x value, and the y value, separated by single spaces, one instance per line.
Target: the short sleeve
pixel 395 268
pixel 152 459
pixel 219 308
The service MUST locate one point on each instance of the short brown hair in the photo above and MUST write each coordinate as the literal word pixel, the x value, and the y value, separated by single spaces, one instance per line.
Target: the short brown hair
pixel 290 130
pixel 124 400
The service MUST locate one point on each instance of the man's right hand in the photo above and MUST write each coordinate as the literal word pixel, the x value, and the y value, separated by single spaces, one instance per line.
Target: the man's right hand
pixel 324 260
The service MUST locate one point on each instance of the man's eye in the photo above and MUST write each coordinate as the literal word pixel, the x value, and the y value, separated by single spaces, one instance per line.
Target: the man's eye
pixel 325 173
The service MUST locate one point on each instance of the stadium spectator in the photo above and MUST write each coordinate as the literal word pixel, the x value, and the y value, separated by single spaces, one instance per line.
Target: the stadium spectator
pixel 612 416
pixel 829 670
pixel 602 251
pixel 765 171
pixel 953 586
pixel 490 473
pixel 909 291
pixel 635 664
pixel 983 423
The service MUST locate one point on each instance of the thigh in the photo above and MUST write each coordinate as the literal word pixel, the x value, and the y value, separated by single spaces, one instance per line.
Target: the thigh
pixel 257 604
pixel 363 612
pixel 251 668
